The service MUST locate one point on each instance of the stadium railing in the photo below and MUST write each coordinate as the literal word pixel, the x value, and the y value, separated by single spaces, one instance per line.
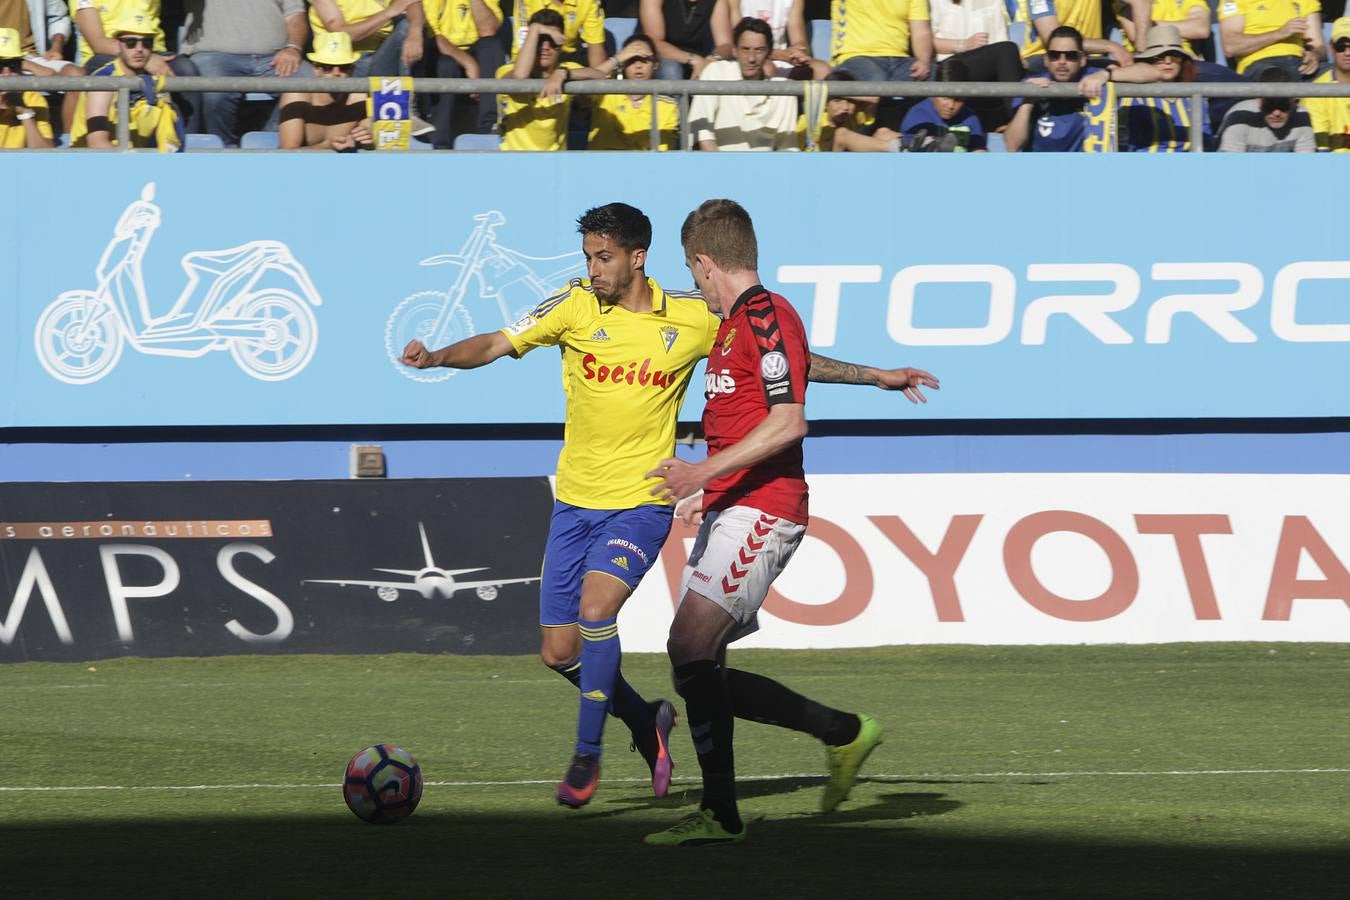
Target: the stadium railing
pixel 1195 91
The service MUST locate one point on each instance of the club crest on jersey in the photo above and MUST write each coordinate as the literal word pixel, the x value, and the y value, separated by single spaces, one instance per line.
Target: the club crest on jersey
pixel 773 366
pixel 600 335
pixel 726 343
pixel 668 335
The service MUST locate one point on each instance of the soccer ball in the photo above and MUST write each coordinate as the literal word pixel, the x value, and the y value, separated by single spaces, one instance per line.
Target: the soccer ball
pixel 383 783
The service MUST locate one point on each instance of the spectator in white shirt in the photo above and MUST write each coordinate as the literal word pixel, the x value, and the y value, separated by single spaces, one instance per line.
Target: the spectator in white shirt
pixel 730 122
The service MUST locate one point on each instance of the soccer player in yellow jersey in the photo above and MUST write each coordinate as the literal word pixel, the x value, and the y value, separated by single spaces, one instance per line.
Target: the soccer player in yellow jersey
pixel 624 121
pixel 628 351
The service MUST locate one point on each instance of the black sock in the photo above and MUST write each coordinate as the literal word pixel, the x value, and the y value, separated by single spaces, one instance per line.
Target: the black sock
pixel 708 708
pixel 761 699
pixel 571 671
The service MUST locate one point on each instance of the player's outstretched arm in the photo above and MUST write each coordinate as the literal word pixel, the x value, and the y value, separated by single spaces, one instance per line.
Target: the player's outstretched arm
pixel 469 353
pixel 907 379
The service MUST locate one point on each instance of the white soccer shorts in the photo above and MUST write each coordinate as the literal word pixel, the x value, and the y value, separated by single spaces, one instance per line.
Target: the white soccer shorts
pixel 738 553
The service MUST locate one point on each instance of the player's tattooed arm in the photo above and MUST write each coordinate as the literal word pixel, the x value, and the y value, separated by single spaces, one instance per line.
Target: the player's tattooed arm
pixel 906 379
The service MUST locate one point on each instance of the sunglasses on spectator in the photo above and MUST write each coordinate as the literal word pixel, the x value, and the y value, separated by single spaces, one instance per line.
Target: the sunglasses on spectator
pixel 14 65
pixel 333 67
pixel 1342 45
pixel 1277 104
pixel 131 43
pixel 1070 55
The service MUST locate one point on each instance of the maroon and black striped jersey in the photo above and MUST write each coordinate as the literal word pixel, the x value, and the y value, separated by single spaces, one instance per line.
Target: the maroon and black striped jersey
pixel 760 357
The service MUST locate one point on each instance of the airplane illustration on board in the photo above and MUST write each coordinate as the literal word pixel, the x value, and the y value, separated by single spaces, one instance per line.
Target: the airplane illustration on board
pixel 430 581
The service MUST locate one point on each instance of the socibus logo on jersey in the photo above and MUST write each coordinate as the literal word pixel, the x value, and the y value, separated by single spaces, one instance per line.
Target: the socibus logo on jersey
pixel 640 374
pixel 1228 314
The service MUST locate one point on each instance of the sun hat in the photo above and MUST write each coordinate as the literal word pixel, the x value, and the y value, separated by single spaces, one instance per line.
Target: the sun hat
pixel 1163 39
pixel 334 49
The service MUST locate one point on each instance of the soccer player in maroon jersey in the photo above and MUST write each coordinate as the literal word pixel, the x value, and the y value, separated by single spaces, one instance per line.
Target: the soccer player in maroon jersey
pixel 754 514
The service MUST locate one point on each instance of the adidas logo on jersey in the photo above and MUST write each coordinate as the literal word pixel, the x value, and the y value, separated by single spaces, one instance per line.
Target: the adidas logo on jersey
pixel 600 335
pixel 621 562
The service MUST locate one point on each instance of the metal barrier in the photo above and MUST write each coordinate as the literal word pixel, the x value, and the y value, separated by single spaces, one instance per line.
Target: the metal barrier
pixel 682 90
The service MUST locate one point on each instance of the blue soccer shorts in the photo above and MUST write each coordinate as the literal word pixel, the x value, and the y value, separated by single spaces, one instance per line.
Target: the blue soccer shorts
pixel 624 543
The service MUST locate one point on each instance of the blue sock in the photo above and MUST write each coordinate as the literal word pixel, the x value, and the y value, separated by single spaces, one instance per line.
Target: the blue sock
pixel 600 655
pixel 627 704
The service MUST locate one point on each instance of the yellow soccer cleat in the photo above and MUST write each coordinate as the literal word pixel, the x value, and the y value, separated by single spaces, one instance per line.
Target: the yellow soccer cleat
pixel 846 760
pixel 698 829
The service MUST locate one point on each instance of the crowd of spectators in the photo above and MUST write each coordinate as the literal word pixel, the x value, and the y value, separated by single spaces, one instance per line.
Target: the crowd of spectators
pixel 1087 42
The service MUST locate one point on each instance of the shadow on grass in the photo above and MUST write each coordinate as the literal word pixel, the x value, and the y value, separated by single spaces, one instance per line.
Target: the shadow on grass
pixel 873 850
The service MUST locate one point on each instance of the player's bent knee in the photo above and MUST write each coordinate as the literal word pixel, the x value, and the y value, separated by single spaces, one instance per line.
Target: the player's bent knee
pixel 682 648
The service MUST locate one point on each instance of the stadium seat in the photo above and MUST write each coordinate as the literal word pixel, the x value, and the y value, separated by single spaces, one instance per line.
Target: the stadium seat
pixel 203 142
pixel 995 143
pixel 820 38
pixel 259 140
pixel 618 30
pixel 478 142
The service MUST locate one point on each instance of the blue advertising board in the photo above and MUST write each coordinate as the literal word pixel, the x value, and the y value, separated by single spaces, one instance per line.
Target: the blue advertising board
pixel 261 289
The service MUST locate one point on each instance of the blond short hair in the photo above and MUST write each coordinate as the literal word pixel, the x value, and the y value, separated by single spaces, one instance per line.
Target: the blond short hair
pixel 722 231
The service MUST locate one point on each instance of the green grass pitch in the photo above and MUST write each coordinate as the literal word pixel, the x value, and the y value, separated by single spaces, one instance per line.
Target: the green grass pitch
pixel 1179 770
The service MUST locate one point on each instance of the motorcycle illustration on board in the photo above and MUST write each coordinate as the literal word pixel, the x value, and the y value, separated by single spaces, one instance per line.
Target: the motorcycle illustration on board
pixel 254 300
pixel 484 269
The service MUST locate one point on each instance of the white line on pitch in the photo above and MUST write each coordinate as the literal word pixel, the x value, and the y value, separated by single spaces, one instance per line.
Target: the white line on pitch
pixel 20 789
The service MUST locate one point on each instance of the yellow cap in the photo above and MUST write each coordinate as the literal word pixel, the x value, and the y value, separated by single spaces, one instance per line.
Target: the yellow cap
pixel 334 48
pixel 11 46
pixel 134 21
pixel 1340 28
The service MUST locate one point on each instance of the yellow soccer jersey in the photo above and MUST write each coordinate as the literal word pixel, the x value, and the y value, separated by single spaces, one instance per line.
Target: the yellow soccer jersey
pixel 625 375
pixel 111 11
pixel 618 124
pixel 355 11
pixel 1265 16
pixel 529 123
pixel 13 135
pixel 1330 118
pixel 453 20
pixel 873 27
pixel 1165 12
pixel 1085 15
pixel 583 19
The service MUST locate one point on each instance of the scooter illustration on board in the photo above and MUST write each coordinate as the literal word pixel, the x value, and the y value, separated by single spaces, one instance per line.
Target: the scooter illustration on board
pixel 270 329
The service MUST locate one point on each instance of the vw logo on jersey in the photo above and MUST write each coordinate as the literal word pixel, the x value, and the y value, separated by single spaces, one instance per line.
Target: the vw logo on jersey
pixel 773 366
